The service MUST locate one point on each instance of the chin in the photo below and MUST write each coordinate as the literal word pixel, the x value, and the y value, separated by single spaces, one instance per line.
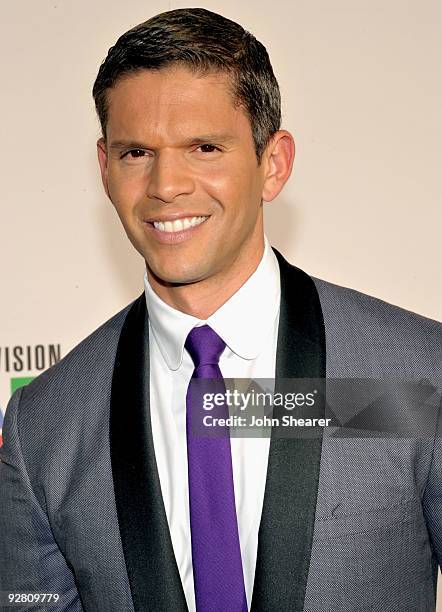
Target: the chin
pixel 178 274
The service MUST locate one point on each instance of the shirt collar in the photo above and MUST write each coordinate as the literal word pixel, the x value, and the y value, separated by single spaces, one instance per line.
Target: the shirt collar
pixel 243 322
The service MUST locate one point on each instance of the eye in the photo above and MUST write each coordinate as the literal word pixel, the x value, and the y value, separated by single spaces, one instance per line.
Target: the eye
pixel 134 154
pixel 208 148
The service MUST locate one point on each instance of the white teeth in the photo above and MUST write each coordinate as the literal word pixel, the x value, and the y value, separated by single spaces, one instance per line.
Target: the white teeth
pixel 179 224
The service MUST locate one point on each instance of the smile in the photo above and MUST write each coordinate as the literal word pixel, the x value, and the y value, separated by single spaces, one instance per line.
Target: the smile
pixel 178 225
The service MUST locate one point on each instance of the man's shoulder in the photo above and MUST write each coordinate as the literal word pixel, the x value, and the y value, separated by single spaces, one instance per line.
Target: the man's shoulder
pixel 345 308
pixel 382 330
pixel 67 406
pixel 94 354
pixel 337 297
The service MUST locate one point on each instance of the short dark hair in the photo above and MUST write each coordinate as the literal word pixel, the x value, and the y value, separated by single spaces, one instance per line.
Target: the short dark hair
pixel 205 42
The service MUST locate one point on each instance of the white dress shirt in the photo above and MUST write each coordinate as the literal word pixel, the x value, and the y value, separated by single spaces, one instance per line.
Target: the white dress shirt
pixel 248 324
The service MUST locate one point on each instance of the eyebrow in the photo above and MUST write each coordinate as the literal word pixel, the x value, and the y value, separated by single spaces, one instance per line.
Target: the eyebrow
pixel 126 144
pixel 203 138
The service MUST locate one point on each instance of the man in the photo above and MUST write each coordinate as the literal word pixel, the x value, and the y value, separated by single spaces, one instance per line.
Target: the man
pixel 107 500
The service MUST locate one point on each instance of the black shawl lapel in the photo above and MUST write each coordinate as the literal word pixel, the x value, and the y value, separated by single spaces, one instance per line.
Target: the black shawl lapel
pixel 286 528
pixel 153 573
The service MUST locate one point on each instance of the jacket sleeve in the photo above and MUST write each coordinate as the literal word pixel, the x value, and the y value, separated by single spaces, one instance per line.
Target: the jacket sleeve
pixel 30 560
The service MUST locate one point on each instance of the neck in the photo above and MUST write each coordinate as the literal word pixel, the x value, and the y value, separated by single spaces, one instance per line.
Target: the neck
pixel 201 299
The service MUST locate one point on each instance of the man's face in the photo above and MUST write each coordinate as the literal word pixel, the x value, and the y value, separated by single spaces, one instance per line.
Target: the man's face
pixel 177 148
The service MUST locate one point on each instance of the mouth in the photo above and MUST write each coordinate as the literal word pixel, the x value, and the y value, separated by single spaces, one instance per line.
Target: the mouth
pixel 178 225
pixel 173 231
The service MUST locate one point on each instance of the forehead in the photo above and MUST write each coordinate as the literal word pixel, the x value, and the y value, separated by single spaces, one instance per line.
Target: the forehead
pixel 174 102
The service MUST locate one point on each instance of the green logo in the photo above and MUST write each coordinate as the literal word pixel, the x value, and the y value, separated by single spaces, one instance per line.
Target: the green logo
pixel 21 381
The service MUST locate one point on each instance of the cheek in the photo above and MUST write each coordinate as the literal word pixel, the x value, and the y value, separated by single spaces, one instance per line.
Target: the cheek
pixel 126 190
pixel 230 187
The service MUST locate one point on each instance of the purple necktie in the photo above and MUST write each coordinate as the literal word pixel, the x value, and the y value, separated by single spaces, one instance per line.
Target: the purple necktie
pixel 216 553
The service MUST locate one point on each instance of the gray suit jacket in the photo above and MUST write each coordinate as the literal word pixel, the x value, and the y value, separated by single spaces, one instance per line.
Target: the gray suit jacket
pixel 347 524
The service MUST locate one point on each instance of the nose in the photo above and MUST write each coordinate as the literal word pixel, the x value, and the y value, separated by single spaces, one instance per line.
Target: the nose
pixel 169 177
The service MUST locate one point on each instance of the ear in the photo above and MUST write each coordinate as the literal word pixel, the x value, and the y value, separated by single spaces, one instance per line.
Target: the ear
pixel 102 160
pixel 278 157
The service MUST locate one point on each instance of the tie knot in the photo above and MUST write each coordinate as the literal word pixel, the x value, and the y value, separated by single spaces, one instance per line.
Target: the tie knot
pixel 204 346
